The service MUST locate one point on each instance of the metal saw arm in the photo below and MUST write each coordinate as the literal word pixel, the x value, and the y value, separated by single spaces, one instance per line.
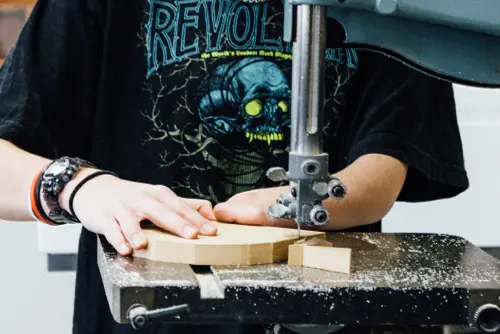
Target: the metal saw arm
pixel 453 40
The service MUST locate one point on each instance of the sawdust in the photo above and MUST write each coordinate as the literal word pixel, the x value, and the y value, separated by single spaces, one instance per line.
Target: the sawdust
pixel 416 263
pixel 125 272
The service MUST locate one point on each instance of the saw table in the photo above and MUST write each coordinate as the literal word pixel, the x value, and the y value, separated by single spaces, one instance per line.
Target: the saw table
pixel 397 279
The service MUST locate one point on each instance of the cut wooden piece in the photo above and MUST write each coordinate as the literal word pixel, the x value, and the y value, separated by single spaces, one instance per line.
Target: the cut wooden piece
pixel 327 258
pixel 320 255
pixel 234 245
pixel 314 242
pixel 295 255
pixel 295 251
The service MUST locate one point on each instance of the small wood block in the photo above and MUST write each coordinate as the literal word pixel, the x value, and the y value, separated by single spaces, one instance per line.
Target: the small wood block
pixel 234 245
pixel 327 258
pixel 320 255
pixel 295 255
pixel 295 251
pixel 315 241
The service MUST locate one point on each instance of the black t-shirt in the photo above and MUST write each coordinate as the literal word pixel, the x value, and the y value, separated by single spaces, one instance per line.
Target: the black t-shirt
pixel 195 95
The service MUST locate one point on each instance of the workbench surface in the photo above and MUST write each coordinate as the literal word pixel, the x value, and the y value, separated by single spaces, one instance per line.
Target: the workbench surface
pixel 401 279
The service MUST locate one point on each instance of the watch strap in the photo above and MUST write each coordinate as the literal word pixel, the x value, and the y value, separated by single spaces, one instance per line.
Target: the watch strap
pixel 35 202
pixel 52 186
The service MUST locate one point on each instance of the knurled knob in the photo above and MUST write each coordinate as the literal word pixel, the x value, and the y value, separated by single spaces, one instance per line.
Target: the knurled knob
pixel 487 318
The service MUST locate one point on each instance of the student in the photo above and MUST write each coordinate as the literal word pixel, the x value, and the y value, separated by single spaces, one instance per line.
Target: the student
pixel 185 105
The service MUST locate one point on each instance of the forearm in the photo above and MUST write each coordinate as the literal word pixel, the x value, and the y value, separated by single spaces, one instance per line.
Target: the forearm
pixel 373 184
pixel 16 175
pixel 16 179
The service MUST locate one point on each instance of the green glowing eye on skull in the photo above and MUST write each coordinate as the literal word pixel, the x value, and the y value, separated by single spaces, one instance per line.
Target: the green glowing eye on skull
pixel 253 108
pixel 283 106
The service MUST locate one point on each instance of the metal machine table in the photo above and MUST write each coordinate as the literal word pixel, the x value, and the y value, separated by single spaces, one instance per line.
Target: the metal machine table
pixel 397 279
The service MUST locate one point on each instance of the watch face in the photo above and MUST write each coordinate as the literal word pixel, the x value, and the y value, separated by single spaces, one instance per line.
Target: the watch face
pixel 58 167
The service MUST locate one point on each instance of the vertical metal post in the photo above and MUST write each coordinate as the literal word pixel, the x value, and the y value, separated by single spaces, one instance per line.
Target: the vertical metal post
pixel 308 80
pixel 308 171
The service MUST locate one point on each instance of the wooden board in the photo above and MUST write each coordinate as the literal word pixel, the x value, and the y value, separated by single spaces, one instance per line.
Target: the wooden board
pixel 234 245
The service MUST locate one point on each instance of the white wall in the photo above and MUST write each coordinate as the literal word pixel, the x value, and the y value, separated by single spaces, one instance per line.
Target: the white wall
pixel 26 287
pixel 475 214
pixel 32 299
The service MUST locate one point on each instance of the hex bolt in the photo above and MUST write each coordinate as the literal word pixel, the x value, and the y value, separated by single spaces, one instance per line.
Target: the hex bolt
pixel 321 216
pixel 337 189
pixel 318 215
pixel 311 167
pixel 140 321
pixel 338 192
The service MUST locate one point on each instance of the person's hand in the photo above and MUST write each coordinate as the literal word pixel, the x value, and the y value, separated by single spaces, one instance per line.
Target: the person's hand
pixel 115 208
pixel 250 208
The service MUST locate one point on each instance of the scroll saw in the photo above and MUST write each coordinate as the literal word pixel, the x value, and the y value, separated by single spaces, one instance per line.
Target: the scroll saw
pixel 453 40
pixel 426 283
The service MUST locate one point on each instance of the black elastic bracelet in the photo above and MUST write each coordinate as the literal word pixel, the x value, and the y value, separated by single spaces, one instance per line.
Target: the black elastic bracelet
pixel 82 182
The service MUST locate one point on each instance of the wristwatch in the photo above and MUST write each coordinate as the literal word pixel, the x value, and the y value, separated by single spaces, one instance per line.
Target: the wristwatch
pixel 53 180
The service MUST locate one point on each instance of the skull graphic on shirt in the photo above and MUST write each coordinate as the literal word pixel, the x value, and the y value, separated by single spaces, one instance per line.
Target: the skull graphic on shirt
pixel 250 97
